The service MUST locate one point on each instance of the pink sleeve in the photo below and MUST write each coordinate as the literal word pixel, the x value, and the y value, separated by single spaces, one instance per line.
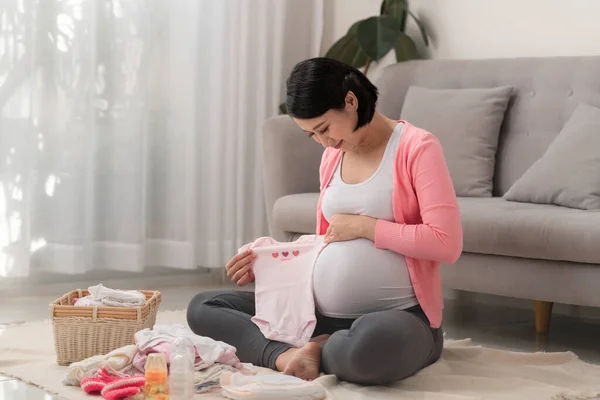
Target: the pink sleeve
pixel 439 236
pixel 321 222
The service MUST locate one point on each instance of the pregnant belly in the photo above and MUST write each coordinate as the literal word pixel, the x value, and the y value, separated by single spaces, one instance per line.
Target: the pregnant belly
pixel 354 278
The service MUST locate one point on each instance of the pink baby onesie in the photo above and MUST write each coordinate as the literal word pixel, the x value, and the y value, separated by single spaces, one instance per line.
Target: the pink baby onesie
pixel 285 306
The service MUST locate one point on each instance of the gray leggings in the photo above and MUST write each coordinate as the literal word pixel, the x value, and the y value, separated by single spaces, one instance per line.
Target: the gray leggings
pixel 375 349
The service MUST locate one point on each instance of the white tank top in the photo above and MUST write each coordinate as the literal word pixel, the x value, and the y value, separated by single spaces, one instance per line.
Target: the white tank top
pixel 354 278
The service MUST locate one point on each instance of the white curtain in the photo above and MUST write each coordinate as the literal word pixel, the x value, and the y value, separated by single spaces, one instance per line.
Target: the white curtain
pixel 130 129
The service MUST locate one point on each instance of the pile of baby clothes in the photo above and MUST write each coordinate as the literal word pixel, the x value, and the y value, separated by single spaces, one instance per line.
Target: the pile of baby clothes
pixel 117 367
pixel 211 357
pixel 105 297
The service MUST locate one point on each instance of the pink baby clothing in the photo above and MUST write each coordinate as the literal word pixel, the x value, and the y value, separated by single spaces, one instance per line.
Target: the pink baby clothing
pixel 285 306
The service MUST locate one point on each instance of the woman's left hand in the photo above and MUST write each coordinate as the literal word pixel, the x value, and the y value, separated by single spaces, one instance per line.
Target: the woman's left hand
pixel 345 227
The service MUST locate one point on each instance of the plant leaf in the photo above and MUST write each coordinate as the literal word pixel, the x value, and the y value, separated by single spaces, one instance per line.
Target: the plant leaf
pixel 397 9
pixel 421 27
pixel 348 51
pixel 352 29
pixel 405 48
pixel 282 109
pixel 377 35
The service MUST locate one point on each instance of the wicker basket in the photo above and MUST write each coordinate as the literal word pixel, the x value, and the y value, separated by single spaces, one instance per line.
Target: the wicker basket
pixel 82 332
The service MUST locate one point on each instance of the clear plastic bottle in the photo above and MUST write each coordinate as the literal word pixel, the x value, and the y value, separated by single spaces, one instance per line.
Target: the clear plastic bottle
pixel 181 371
pixel 157 386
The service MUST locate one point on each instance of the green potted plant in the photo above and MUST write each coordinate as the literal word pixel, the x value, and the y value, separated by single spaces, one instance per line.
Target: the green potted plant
pixel 370 39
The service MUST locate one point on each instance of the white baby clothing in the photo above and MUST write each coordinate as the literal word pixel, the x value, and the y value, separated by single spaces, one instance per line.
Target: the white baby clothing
pixel 103 296
pixel 285 308
pixel 89 301
pixel 208 379
pixel 272 386
pixel 118 360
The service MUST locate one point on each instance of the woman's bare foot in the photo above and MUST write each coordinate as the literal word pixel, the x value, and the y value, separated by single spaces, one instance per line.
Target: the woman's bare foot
pixel 321 339
pixel 303 363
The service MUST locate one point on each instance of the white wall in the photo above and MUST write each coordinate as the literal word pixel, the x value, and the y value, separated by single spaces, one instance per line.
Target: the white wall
pixel 511 28
pixel 471 29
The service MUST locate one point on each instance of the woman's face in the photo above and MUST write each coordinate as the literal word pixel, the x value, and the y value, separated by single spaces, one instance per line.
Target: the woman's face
pixel 335 128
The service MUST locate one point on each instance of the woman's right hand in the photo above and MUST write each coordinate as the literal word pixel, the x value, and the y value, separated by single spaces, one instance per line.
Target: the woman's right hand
pixel 239 268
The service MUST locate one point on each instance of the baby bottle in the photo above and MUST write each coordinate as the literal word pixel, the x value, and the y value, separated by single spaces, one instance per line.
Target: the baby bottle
pixel 156 387
pixel 181 371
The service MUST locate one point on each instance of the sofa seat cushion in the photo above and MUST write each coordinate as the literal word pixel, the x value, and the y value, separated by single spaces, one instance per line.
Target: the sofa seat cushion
pixel 501 227
pixel 296 213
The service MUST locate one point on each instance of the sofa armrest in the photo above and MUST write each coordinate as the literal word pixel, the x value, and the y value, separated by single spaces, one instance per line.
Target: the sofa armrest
pixel 290 164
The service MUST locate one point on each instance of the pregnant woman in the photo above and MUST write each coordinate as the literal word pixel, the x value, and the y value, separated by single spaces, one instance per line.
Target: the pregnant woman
pixel 390 216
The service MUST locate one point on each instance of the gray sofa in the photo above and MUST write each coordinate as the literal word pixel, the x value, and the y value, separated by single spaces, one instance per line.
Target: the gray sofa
pixel 544 253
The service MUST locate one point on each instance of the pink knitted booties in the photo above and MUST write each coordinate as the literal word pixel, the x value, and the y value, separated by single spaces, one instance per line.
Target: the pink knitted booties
pixel 95 384
pixel 123 388
pixel 112 387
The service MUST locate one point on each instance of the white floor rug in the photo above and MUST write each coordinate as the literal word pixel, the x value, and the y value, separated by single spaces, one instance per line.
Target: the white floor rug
pixel 465 372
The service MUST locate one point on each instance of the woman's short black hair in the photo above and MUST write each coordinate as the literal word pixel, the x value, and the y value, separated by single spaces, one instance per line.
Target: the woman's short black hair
pixel 318 85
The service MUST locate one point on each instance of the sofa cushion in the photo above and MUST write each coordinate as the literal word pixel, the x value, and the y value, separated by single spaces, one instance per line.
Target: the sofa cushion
pixel 296 213
pixel 501 227
pixel 568 174
pixel 467 123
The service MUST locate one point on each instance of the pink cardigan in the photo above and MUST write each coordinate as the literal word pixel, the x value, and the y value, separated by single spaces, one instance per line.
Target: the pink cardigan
pixel 427 228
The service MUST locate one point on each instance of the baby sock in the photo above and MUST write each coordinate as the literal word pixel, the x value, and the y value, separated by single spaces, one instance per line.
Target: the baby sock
pixel 95 384
pixel 123 388
pixel 112 387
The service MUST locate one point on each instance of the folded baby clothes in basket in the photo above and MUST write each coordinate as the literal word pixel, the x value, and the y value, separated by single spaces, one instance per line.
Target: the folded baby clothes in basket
pixel 104 297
